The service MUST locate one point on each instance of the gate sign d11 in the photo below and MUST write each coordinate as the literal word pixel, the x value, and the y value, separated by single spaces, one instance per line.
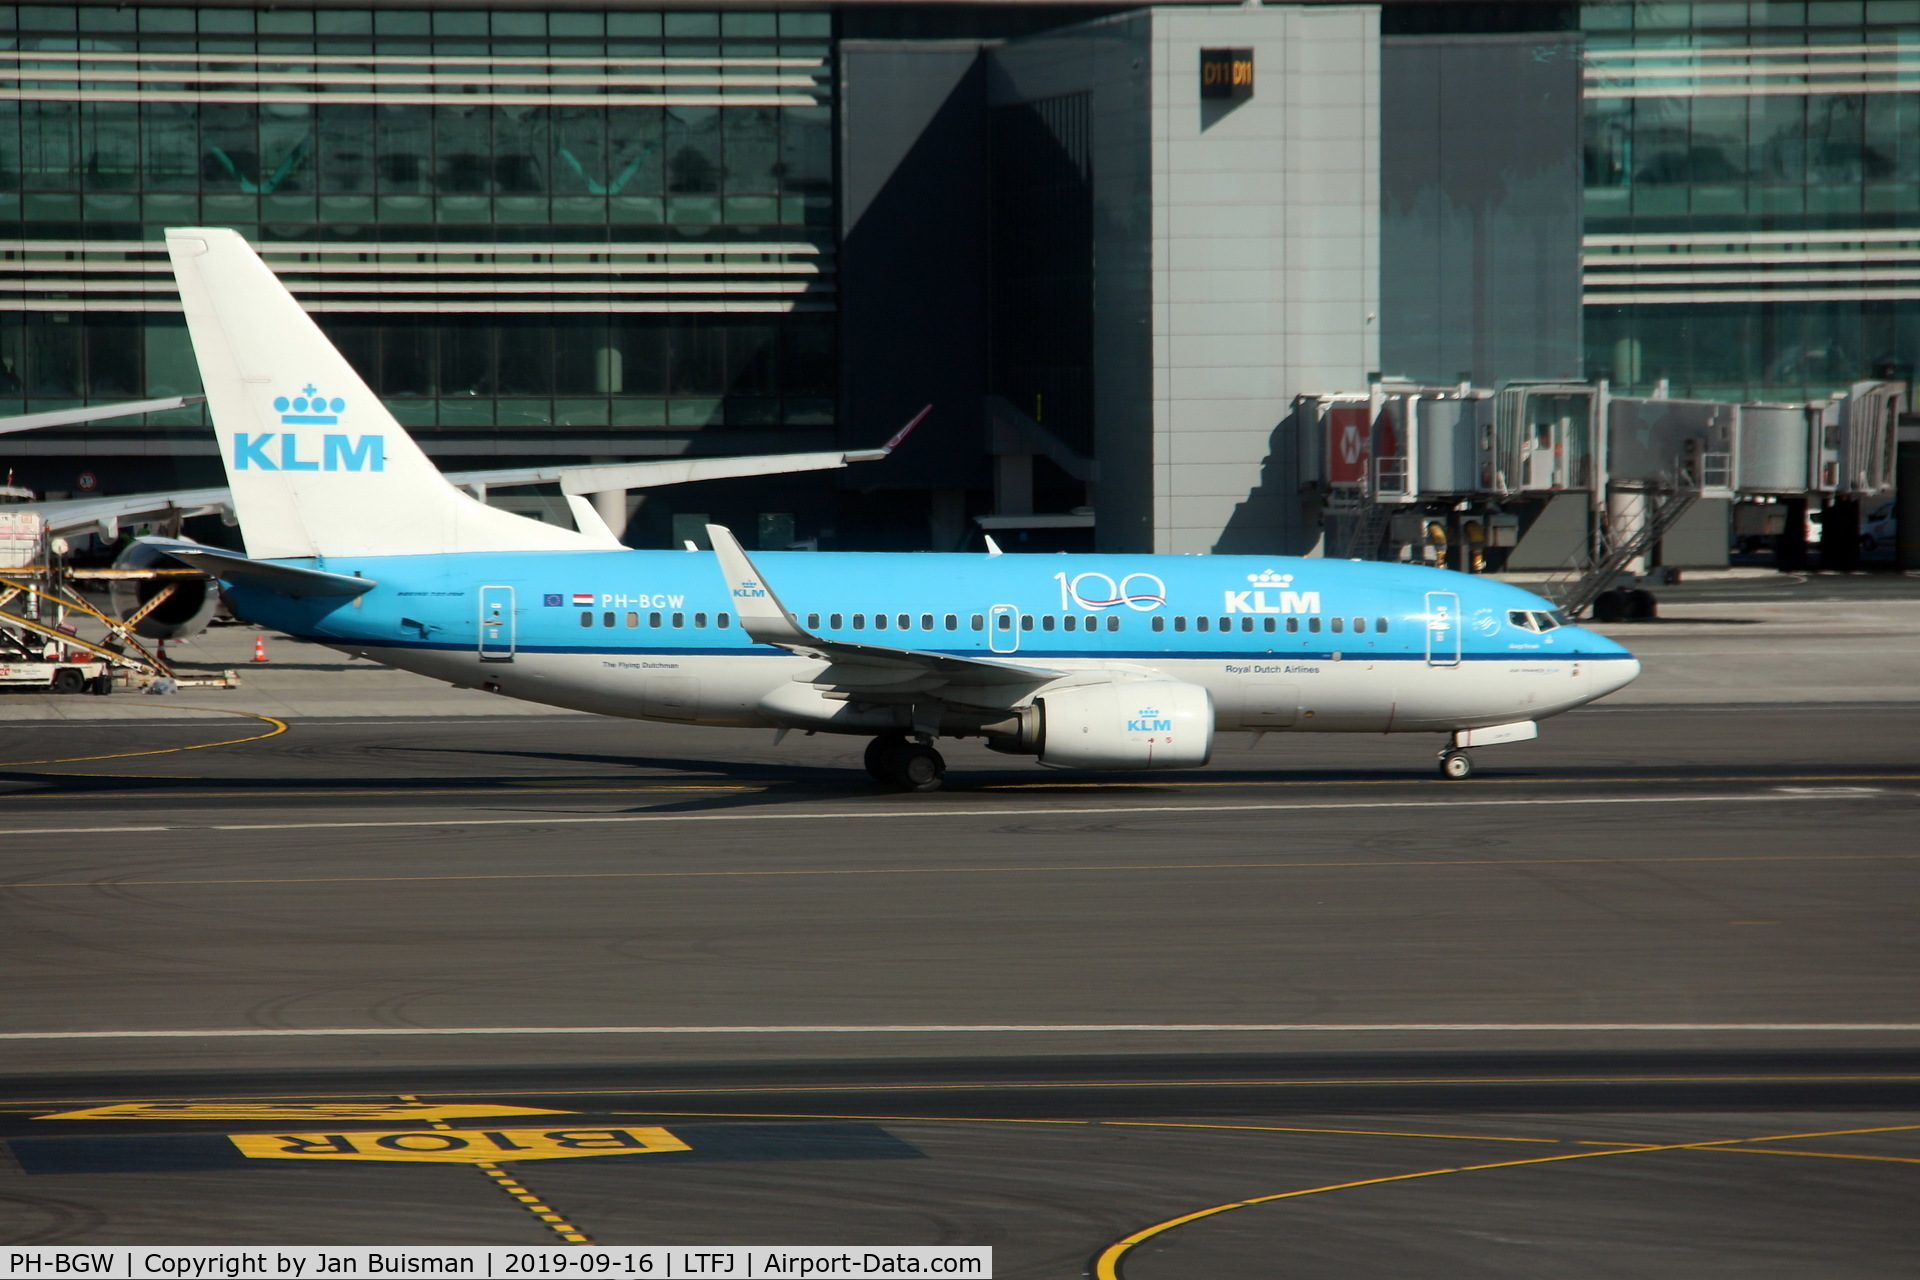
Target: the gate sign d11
pixel 1226 73
pixel 1349 444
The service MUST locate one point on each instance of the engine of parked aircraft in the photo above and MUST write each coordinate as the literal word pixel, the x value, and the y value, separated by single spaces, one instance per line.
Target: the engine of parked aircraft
pixel 1133 724
pixel 183 614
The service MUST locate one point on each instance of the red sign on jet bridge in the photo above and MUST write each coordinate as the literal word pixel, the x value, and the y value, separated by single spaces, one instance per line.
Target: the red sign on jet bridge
pixel 1348 444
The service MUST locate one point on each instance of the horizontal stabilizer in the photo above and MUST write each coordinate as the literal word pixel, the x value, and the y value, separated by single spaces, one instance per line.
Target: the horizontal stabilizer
pixel 261 575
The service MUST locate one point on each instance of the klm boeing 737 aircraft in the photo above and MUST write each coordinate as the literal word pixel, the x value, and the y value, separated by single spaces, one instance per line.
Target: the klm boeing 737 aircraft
pixel 356 541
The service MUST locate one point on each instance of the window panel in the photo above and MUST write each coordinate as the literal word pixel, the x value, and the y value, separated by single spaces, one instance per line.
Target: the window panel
pixel 111 134
pixel 343 148
pixel 579 164
pixel 752 150
pixel 806 150
pixel 636 141
pixel 693 150
pixel 463 150
pixel 50 146
pixel 526 357
pixel 698 358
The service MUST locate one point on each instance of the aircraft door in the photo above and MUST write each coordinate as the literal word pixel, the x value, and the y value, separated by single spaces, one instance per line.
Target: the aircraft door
pixel 1003 628
pixel 496 624
pixel 1443 629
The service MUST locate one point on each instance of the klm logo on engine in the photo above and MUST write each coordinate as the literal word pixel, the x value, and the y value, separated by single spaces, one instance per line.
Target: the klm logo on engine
pixel 1285 599
pixel 284 450
pixel 1149 720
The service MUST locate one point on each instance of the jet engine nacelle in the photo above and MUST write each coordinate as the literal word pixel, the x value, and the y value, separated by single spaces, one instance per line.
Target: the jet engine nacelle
pixel 183 614
pixel 1131 724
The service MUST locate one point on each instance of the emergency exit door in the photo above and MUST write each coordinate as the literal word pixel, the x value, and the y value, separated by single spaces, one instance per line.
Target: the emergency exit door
pixel 1443 629
pixel 496 624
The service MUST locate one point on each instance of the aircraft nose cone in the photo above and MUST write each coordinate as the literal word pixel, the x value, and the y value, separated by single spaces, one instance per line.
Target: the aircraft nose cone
pixel 1615 668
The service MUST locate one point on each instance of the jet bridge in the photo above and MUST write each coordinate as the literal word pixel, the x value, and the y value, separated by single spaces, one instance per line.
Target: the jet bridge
pixel 1570 478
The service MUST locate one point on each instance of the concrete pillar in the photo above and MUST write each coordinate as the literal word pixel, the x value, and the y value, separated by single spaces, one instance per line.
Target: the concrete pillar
pixel 611 504
pixel 947 518
pixel 1626 516
pixel 1790 553
pixel 1906 555
pixel 1840 534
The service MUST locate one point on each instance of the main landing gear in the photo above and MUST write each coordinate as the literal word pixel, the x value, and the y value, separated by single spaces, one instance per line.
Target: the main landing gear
pixel 1455 764
pixel 905 765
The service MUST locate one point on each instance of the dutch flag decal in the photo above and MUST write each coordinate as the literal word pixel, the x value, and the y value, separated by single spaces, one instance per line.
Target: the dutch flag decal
pixel 583 599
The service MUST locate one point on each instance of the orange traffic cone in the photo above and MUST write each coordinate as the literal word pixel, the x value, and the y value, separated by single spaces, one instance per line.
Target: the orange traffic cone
pixel 259 648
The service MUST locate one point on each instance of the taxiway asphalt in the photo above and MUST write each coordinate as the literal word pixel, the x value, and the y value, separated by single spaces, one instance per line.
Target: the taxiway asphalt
pixel 1641 998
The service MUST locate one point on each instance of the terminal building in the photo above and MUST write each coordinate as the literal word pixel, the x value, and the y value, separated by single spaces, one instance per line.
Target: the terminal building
pixel 1133 256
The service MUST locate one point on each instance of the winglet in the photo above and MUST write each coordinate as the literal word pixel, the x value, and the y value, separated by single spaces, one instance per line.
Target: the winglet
pixel 899 437
pixel 761 614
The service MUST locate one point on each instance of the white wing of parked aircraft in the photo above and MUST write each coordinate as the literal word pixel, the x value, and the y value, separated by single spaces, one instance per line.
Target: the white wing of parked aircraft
pixel 93 413
pixel 108 513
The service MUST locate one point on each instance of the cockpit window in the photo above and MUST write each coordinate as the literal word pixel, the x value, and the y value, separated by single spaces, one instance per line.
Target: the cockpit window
pixel 1521 619
pixel 1560 618
pixel 1546 622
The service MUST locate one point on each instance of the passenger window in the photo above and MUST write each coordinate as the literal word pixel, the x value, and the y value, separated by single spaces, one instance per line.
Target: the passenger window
pixel 1293 625
pixel 904 622
pixel 813 622
pixel 1159 623
pixel 1046 622
pixel 1006 621
pixel 1201 624
pixel 1339 625
pixel 953 622
pixel 1359 625
pixel 879 622
pixel 1520 618
pixel 1380 625
pixel 979 622
pixel 835 621
pixel 1246 624
pixel 1113 622
pixel 1313 625
pixel 926 622
pixel 700 621
pixel 606 619
pixel 653 620
pixel 586 617
pixel 1026 622
pixel 633 620
pixel 1226 624
pixel 723 620
pixel 1268 625
pixel 679 620
pixel 859 622
pixel 1070 622
pixel 1180 622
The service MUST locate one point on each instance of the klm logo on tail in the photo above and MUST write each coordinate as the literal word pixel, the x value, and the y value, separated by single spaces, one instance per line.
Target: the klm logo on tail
pixel 309 408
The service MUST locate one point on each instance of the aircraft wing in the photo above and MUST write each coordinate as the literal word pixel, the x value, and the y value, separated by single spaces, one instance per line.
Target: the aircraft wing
pixel 94 413
pixel 108 513
pixel 653 475
pixel 767 621
pixel 267 575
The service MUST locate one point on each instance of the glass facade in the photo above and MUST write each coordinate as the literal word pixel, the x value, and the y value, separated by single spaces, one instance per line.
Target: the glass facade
pixel 1752 176
pixel 527 229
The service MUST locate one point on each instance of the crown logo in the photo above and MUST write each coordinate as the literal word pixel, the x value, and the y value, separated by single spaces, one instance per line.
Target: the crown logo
pixel 1268 578
pixel 309 408
pixel 1149 711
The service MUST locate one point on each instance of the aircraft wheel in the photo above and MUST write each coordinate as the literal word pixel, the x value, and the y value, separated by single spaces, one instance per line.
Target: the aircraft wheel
pixel 882 753
pixel 67 680
pixel 1456 765
pixel 918 767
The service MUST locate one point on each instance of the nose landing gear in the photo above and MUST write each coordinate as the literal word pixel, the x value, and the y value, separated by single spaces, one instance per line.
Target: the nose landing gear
pixel 904 765
pixel 1455 764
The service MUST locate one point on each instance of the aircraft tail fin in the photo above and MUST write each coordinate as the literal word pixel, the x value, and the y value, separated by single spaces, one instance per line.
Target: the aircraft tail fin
pixel 316 464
